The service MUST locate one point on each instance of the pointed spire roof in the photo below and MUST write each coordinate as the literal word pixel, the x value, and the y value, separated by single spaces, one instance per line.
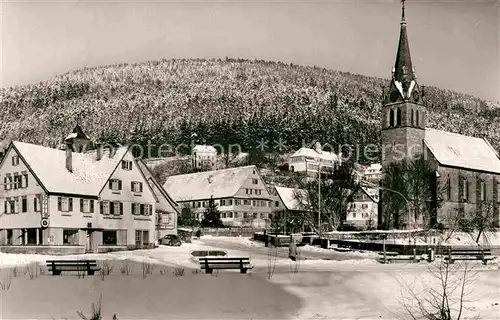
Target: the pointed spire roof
pixel 77 134
pixel 403 69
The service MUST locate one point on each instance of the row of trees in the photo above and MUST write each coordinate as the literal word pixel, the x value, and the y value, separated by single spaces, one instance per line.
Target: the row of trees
pixel 224 101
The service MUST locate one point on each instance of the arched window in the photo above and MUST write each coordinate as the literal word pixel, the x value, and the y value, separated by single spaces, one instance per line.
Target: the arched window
pixel 417 121
pixel 412 115
pixel 391 118
pixel 398 116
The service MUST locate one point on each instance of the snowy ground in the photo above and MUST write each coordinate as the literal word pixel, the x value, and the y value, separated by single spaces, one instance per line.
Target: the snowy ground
pixel 348 289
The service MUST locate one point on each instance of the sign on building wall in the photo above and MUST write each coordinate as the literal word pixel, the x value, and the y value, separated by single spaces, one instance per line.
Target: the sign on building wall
pixel 166 220
pixel 45 205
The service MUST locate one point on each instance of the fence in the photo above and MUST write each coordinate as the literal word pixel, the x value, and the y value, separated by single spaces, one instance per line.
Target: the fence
pixel 229 231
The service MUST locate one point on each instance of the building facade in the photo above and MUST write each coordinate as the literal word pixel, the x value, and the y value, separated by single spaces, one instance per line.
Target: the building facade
pixel 309 160
pixel 204 157
pixel 73 200
pixel 167 210
pixel 468 168
pixel 363 209
pixel 240 194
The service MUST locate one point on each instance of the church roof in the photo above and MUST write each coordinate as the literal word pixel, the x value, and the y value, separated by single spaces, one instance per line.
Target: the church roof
pixel 456 150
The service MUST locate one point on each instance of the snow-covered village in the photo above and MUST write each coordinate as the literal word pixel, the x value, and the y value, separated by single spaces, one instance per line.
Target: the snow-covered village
pixel 228 160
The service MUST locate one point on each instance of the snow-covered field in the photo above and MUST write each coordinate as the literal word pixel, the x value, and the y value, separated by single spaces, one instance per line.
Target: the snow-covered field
pixel 349 289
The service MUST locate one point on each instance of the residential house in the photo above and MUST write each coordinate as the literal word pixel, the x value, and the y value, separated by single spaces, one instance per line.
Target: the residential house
pixel 468 167
pixel 240 194
pixel 373 173
pixel 363 209
pixel 204 157
pixel 73 200
pixel 309 160
pixel 167 210
pixel 287 203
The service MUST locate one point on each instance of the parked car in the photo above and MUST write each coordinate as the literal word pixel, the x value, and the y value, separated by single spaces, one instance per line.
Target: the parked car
pixel 170 240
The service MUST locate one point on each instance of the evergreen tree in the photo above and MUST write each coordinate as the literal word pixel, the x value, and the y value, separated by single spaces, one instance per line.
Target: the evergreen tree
pixel 211 218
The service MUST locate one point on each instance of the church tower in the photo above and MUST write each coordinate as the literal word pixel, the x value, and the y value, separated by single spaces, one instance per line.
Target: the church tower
pixel 403 120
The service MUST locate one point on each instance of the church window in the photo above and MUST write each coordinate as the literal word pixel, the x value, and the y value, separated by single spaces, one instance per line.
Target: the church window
pixel 449 188
pixel 466 190
pixel 482 186
pixel 417 122
pixel 412 115
pixel 391 118
pixel 398 116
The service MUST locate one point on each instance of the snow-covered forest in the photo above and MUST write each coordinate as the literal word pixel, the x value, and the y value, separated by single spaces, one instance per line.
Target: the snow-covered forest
pixel 222 101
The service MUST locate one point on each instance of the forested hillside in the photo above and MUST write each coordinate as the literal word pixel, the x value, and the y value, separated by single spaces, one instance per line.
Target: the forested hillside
pixel 222 101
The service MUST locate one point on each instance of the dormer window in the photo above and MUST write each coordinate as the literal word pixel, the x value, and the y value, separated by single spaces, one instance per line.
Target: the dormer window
pixel 126 165
pixel 115 184
pixel 15 160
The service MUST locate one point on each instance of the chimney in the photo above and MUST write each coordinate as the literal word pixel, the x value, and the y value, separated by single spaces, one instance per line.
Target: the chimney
pixel 99 153
pixel 317 147
pixel 69 156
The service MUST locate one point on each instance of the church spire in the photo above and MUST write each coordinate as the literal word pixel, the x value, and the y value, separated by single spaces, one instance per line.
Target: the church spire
pixel 403 73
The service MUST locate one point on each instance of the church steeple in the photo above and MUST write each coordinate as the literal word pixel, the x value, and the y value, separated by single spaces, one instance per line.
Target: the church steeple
pixel 404 82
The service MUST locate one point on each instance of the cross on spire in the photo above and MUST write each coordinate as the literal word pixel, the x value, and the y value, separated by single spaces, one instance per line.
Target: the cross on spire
pixel 403 11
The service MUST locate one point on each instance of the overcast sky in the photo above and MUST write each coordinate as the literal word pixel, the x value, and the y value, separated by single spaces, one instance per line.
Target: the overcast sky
pixel 454 44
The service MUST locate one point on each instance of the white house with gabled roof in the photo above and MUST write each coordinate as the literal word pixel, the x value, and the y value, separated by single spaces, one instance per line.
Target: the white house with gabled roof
pixel 240 194
pixel 73 200
pixel 167 209
pixel 309 160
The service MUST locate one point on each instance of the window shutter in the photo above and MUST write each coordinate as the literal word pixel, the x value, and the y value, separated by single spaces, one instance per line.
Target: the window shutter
pixel 70 204
pixel 142 209
pixel 91 206
pixel 13 160
pixel 59 204
pixel 132 186
pixel 111 207
pixel 101 207
pixel 140 186
pixel 119 184
pixel 5 183
pixel 121 208
pixel 81 205
pixel 111 184
pixel 34 204
pixel 5 206
pixel 132 208
pixel 26 180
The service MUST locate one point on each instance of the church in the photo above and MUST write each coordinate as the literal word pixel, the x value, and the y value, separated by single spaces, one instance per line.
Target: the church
pixel 468 167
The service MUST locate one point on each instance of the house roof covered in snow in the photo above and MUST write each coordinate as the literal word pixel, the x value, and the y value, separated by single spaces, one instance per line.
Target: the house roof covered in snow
pixel 315 154
pixel 372 193
pixel 373 168
pixel 456 150
pixel 49 166
pixel 203 185
pixel 149 176
pixel 292 198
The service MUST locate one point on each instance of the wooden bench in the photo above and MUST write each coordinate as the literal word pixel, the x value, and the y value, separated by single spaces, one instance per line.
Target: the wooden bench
pixel 469 254
pixel 212 263
pixel 56 266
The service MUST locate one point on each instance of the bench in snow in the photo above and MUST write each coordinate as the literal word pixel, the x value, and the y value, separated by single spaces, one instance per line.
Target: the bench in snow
pixel 213 263
pixel 56 266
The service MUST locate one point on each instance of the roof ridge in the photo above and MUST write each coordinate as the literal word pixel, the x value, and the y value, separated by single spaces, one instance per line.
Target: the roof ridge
pixel 453 133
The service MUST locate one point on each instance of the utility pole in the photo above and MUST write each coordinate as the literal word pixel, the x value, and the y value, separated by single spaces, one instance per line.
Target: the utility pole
pixel 319 199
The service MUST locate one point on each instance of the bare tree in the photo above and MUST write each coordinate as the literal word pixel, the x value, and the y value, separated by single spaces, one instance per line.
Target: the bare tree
pixel 482 219
pixel 410 188
pixel 447 297
pixel 328 195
